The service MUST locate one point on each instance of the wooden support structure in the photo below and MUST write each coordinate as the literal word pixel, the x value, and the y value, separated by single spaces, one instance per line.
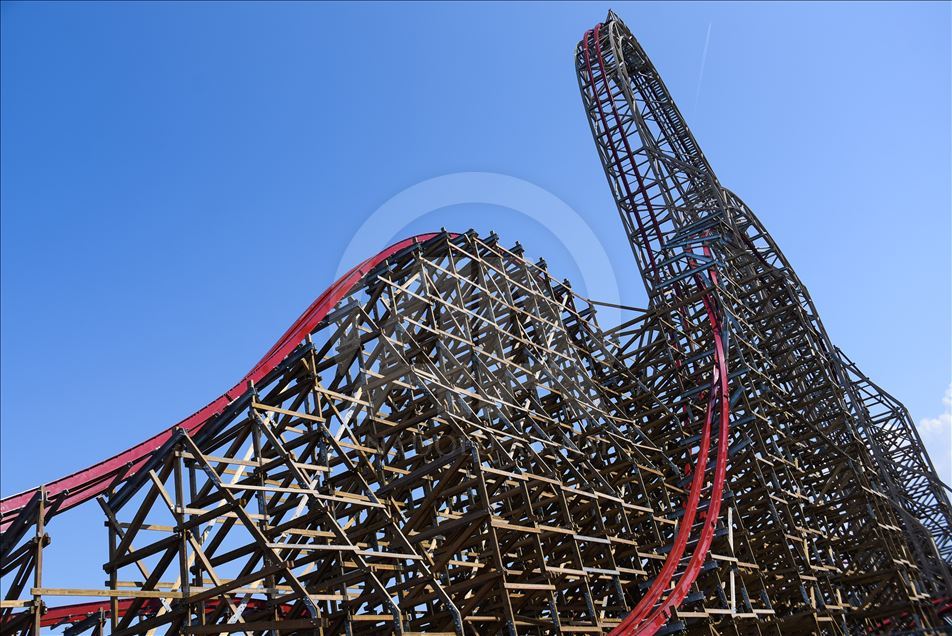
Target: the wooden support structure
pixel 449 442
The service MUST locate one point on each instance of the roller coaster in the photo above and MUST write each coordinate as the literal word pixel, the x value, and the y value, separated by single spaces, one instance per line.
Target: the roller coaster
pixel 448 442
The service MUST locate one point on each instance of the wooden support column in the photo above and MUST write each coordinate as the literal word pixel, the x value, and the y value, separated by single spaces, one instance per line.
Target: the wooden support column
pixel 40 541
pixel 182 530
pixel 509 617
pixel 113 571
pixel 263 522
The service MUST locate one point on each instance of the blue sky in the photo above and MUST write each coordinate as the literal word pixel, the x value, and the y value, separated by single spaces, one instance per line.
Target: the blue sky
pixel 180 181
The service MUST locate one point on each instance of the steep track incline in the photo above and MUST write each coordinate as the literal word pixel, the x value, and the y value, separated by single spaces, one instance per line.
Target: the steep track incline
pixel 87 483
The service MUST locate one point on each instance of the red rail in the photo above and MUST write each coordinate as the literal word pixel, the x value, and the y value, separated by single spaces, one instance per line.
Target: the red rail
pixel 87 483
pixel 642 620
pixel 78 612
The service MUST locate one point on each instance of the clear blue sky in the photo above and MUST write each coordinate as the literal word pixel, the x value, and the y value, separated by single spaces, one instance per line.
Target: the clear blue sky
pixel 179 181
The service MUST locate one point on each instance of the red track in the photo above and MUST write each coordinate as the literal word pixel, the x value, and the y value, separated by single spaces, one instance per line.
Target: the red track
pixel 87 483
pixel 67 614
pixel 639 621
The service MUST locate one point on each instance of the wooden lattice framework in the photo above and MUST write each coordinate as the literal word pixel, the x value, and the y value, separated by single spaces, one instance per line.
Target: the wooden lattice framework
pixel 448 442
pixel 453 449
pixel 850 518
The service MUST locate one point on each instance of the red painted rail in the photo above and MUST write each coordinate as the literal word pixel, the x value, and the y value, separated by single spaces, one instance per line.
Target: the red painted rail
pixel 85 484
pixel 77 612
pixel 648 616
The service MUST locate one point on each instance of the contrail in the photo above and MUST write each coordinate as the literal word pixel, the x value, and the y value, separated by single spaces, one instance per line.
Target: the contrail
pixel 700 76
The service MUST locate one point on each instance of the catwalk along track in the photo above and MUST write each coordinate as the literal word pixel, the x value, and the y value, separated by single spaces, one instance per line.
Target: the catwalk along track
pixel 449 442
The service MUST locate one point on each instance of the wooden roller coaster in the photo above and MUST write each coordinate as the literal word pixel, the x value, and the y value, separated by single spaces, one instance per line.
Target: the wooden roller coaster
pixel 448 442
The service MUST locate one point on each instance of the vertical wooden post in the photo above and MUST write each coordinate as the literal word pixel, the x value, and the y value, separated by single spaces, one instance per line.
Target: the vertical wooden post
pixel 183 534
pixel 509 617
pixel 263 523
pixel 113 575
pixel 40 540
pixel 199 579
pixel 730 541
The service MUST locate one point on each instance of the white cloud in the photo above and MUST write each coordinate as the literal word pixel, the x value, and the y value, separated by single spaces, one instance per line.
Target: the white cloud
pixel 930 424
pixel 936 433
